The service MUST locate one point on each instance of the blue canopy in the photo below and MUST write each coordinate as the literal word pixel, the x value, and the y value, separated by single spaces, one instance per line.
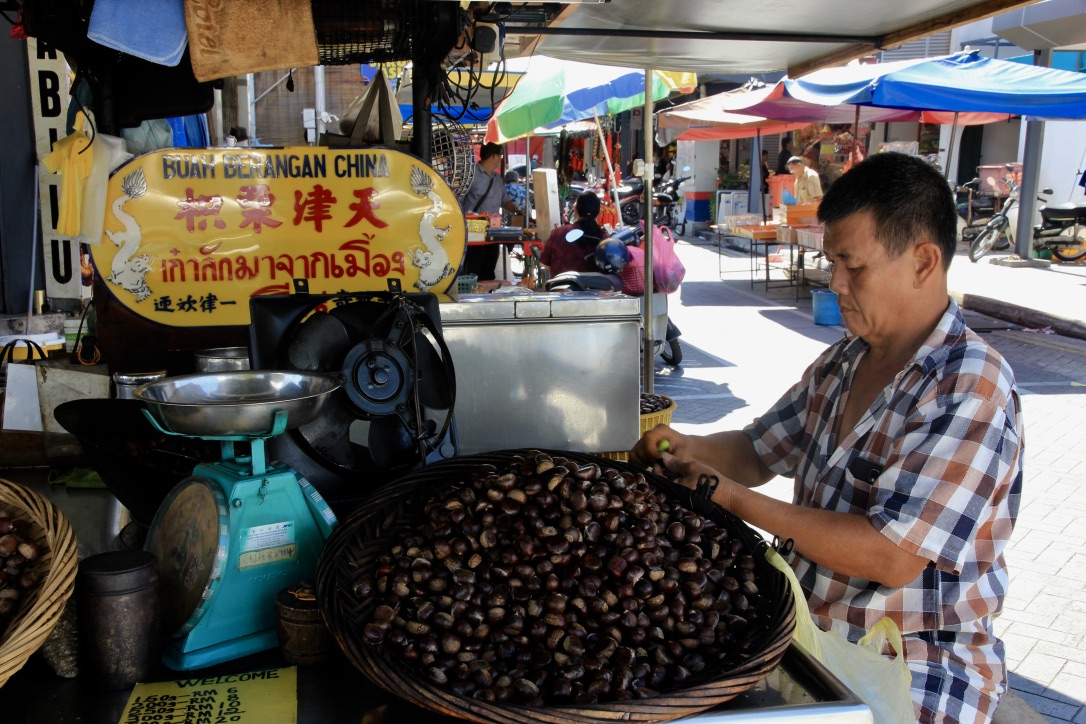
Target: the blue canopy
pixel 468 117
pixel 965 82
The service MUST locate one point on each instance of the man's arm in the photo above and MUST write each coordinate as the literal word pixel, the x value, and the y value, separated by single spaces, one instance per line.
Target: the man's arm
pixel 843 542
pixel 732 453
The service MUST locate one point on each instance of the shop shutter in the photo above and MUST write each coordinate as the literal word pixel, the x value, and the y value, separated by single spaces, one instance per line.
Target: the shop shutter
pixel 931 46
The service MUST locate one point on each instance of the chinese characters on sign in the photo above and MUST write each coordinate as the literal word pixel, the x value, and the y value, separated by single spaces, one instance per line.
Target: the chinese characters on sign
pixel 193 235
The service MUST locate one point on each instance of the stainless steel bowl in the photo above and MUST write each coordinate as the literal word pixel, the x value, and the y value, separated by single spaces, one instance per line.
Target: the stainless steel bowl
pixel 221 359
pixel 237 403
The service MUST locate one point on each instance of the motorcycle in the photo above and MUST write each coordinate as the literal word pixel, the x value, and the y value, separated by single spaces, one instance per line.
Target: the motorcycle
pixel 667 201
pixel 1062 229
pixel 630 200
pixel 665 333
pixel 974 210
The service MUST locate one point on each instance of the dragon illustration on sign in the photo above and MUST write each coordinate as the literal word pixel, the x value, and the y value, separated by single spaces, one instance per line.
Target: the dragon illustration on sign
pixel 433 261
pixel 130 269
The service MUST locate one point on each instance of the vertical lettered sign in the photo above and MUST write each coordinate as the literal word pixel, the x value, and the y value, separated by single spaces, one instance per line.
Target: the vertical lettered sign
pixel 49 95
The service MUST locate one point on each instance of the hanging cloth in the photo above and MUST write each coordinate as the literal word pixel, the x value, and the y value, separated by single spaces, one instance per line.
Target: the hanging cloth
pixel 73 158
pixel 150 29
pixel 248 36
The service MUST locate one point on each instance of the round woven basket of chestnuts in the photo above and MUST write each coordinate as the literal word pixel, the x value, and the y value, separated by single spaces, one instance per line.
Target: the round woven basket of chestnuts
pixel 524 585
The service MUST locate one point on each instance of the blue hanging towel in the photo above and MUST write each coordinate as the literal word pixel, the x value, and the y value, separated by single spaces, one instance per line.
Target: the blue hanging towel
pixel 150 29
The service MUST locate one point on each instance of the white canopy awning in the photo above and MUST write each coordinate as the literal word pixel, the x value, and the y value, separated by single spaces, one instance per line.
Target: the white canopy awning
pixel 737 36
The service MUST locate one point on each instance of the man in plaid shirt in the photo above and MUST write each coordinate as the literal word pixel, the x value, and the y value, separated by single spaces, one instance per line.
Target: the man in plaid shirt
pixel 905 443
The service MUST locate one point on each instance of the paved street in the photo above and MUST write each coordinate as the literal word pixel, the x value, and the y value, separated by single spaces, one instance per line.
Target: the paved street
pixel 744 346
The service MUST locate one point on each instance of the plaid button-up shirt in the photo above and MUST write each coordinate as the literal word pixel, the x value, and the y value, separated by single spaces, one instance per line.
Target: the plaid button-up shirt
pixel 936 465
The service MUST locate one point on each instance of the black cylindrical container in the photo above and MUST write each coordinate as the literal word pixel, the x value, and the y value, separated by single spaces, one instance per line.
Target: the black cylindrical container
pixel 118 610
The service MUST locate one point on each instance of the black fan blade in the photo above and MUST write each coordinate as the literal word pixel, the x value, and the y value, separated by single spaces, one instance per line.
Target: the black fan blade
pixel 390 445
pixel 330 434
pixel 433 373
pixel 319 345
pixel 363 319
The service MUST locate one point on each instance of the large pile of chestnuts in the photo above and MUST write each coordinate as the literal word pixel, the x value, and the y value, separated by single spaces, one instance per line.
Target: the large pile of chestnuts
pixel 17 563
pixel 548 582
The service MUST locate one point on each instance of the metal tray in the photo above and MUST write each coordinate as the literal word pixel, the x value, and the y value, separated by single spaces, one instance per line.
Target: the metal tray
pixel 241 403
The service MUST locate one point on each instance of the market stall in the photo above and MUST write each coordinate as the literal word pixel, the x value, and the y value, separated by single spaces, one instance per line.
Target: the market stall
pixel 331 266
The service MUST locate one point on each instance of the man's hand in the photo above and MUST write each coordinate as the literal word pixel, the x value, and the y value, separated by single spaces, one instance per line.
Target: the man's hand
pixel 688 472
pixel 659 439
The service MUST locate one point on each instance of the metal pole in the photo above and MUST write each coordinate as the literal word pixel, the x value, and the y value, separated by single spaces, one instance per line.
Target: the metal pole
pixel 421 113
pixel 950 146
pixel 649 353
pixel 1031 174
pixel 318 99
pixel 250 95
pixel 610 168
pixel 216 119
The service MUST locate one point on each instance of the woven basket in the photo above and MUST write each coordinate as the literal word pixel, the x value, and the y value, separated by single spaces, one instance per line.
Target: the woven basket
pixel 649 420
pixel 351 553
pixel 38 614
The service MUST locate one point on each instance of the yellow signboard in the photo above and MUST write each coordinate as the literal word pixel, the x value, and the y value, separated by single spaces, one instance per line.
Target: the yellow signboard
pixel 191 234
pixel 254 697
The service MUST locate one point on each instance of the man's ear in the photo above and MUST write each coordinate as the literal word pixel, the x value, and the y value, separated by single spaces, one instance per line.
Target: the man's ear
pixel 927 261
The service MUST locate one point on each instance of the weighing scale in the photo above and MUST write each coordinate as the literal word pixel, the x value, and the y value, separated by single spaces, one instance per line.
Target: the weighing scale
pixel 238 531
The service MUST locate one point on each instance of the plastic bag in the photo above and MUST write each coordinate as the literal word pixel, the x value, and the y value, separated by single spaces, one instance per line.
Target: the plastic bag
pixel 667 270
pixel 787 198
pixel 633 274
pixel 882 683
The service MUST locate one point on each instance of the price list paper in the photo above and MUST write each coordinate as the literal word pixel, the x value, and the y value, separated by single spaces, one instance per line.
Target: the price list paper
pixel 254 697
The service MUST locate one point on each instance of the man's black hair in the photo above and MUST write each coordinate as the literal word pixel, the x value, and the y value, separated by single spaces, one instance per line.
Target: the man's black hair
pixel 488 150
pixel 907 197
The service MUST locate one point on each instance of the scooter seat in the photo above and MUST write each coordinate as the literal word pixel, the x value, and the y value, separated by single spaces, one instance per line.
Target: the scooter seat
pixel 1061 213
pixel 585 281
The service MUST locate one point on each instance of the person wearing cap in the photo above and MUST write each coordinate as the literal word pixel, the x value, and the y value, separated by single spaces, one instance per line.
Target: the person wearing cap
pixel 808 186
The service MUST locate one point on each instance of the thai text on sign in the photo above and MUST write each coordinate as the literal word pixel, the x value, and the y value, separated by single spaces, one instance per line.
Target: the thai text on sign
pixel 190 235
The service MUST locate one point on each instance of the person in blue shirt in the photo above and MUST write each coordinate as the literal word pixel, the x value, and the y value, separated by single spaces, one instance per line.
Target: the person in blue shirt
pixel 515 190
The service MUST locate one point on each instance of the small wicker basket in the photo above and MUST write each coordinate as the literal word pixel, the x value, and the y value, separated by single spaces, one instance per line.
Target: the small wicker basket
pixel 649 420
pixel 354 546
pixel 58 562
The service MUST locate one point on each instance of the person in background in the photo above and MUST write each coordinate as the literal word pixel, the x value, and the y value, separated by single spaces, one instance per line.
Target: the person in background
pixel 486 195
pixel 765 172
pixel 560 255
pixel 515 190
pixel 904 441
pixel 808 186
pixel 784 155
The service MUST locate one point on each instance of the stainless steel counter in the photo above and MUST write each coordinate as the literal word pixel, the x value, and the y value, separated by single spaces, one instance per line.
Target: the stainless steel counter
pixel 557 370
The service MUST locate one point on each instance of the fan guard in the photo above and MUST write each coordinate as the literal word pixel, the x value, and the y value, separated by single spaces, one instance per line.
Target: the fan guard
pixel 451 152
pixel 394 411
pixel 369 31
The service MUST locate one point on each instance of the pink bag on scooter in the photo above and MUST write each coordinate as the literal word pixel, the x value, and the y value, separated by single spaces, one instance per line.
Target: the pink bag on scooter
pixel 667 270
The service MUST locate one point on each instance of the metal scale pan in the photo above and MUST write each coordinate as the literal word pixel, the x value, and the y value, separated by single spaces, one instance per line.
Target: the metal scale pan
pixel 237 531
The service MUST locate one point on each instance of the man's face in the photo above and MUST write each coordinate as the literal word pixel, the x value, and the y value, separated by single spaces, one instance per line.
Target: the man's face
pixel 492 163
pixel 873 290
pixel 795 168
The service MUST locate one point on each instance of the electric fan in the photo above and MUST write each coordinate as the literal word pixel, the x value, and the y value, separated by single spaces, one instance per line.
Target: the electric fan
pixel 394 410
pixel 451 152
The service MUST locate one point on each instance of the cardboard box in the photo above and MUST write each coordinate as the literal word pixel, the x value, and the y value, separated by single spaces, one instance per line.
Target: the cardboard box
pixel 761 233
pixel 992 179
pixel 800 214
